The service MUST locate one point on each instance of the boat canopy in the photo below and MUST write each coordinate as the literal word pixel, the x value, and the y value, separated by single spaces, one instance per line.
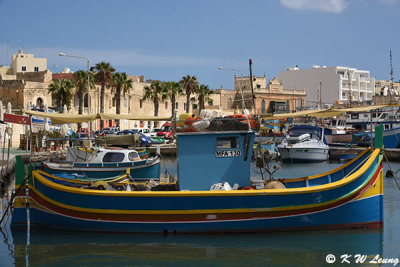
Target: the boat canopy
pixel 59 118
pixel 299 130
pixel 323 113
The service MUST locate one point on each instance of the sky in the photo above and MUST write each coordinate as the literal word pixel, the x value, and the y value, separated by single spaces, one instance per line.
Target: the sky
pixel 168 39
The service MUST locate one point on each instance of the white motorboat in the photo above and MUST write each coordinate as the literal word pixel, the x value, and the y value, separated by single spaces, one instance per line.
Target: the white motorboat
pixel 304 143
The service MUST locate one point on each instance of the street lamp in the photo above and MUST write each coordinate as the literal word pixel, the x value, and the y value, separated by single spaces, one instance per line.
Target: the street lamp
pixel 88 82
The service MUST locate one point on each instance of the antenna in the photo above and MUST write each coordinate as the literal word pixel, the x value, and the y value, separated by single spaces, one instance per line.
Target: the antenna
pixel 391 69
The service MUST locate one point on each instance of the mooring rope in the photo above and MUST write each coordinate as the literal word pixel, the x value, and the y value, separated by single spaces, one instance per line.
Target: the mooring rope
pixel 12 199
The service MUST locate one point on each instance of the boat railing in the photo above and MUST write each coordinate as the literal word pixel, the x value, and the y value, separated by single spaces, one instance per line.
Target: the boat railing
pixel 110 164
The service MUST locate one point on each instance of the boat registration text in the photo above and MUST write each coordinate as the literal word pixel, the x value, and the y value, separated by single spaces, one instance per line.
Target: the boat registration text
pixel 228 153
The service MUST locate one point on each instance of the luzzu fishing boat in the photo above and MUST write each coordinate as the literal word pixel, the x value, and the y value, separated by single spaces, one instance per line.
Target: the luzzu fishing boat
pixel 103 163
pixel 347 197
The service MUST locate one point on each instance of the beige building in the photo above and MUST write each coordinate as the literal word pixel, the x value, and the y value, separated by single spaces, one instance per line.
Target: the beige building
pixel 385 88
pixel 271 98
pixel 27 63
pixel 21 87
pixel 131 103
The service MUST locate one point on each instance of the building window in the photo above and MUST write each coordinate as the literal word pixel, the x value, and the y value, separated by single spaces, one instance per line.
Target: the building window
pixel 258 86
pixel 166 105
pixel 113 102
pixel 194 106
pixel 23 68
pixel 210 103
pixel 125 102
pixel 36 69
pixel 141 103
pixel 176 105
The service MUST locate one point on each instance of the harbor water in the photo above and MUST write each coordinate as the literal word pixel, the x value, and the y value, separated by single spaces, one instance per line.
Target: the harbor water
pixel 301 248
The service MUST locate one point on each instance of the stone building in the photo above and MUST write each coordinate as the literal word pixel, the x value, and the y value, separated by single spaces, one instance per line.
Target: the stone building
pixel 25 82
pixel 131 103
pixel 271 98
pixel 387 92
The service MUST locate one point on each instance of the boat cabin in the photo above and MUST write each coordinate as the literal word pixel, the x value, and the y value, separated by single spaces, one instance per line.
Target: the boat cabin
pixel 207 158
pixel 103 155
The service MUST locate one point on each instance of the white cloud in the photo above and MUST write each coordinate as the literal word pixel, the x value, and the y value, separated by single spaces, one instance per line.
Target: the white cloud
pixel 117 57
pixel 333 6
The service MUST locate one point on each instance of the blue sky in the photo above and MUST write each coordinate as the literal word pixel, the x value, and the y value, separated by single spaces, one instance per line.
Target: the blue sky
pixel 167 39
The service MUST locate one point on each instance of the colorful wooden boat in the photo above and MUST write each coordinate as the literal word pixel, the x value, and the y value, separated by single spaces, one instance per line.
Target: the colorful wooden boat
pixel 104 163
pixel 347 197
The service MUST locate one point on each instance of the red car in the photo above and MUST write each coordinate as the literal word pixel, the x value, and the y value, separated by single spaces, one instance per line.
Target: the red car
pixel 166 130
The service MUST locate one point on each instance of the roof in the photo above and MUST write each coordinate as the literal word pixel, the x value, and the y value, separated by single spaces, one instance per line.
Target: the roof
pixel 62 76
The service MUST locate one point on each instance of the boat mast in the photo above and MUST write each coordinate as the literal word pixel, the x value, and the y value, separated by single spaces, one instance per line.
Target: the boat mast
pixel 391 89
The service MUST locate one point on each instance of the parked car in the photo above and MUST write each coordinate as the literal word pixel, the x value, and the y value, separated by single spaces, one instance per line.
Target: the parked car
pixel 166 130
pixel 154 132
pixel 114 130
pixel 85 131
pixel 145 131
pixel 143 139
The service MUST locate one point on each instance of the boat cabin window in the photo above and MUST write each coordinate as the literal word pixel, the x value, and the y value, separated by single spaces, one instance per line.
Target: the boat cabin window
pixel 383 116
pixel 295 132
pixel 132 156
pixel 227 142
pixel 113 157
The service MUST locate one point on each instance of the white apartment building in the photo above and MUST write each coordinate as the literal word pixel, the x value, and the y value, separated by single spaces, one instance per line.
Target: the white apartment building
pixel 330 85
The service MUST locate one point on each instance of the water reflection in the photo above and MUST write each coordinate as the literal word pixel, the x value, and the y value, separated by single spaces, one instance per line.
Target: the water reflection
pixel 61 248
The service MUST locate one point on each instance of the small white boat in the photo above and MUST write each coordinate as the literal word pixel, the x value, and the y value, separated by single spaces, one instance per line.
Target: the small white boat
pixel 105 162
pixel 304 143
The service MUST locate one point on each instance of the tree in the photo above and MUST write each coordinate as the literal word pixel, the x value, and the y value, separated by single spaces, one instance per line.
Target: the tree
pixel 172 90
pixel 190 85
pixel 155 92
pixel 120 84
pixel 203 95
pixel 61 91
pixel 81 85
pixel 104 76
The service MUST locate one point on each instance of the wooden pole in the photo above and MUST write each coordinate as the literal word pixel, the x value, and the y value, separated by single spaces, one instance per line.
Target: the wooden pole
pixel 30 137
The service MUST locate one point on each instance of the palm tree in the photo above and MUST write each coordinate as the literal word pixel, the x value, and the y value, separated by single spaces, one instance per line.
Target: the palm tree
pixel 120 84
pixel 203 95
pixel 155 92
pixel 190 84
pixel 172 90
pixel 61 91
pixel 81 84
pixel 103 75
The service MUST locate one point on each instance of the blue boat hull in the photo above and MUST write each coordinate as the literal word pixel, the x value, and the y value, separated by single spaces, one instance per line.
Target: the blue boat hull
pixel 142 172
pixel 351 196
pixel 350 215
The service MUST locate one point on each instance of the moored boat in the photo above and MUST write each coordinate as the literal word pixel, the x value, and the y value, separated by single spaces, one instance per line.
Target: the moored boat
pixel 304 143
pixel 105 162
pixel 350 196
pixel 391 138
